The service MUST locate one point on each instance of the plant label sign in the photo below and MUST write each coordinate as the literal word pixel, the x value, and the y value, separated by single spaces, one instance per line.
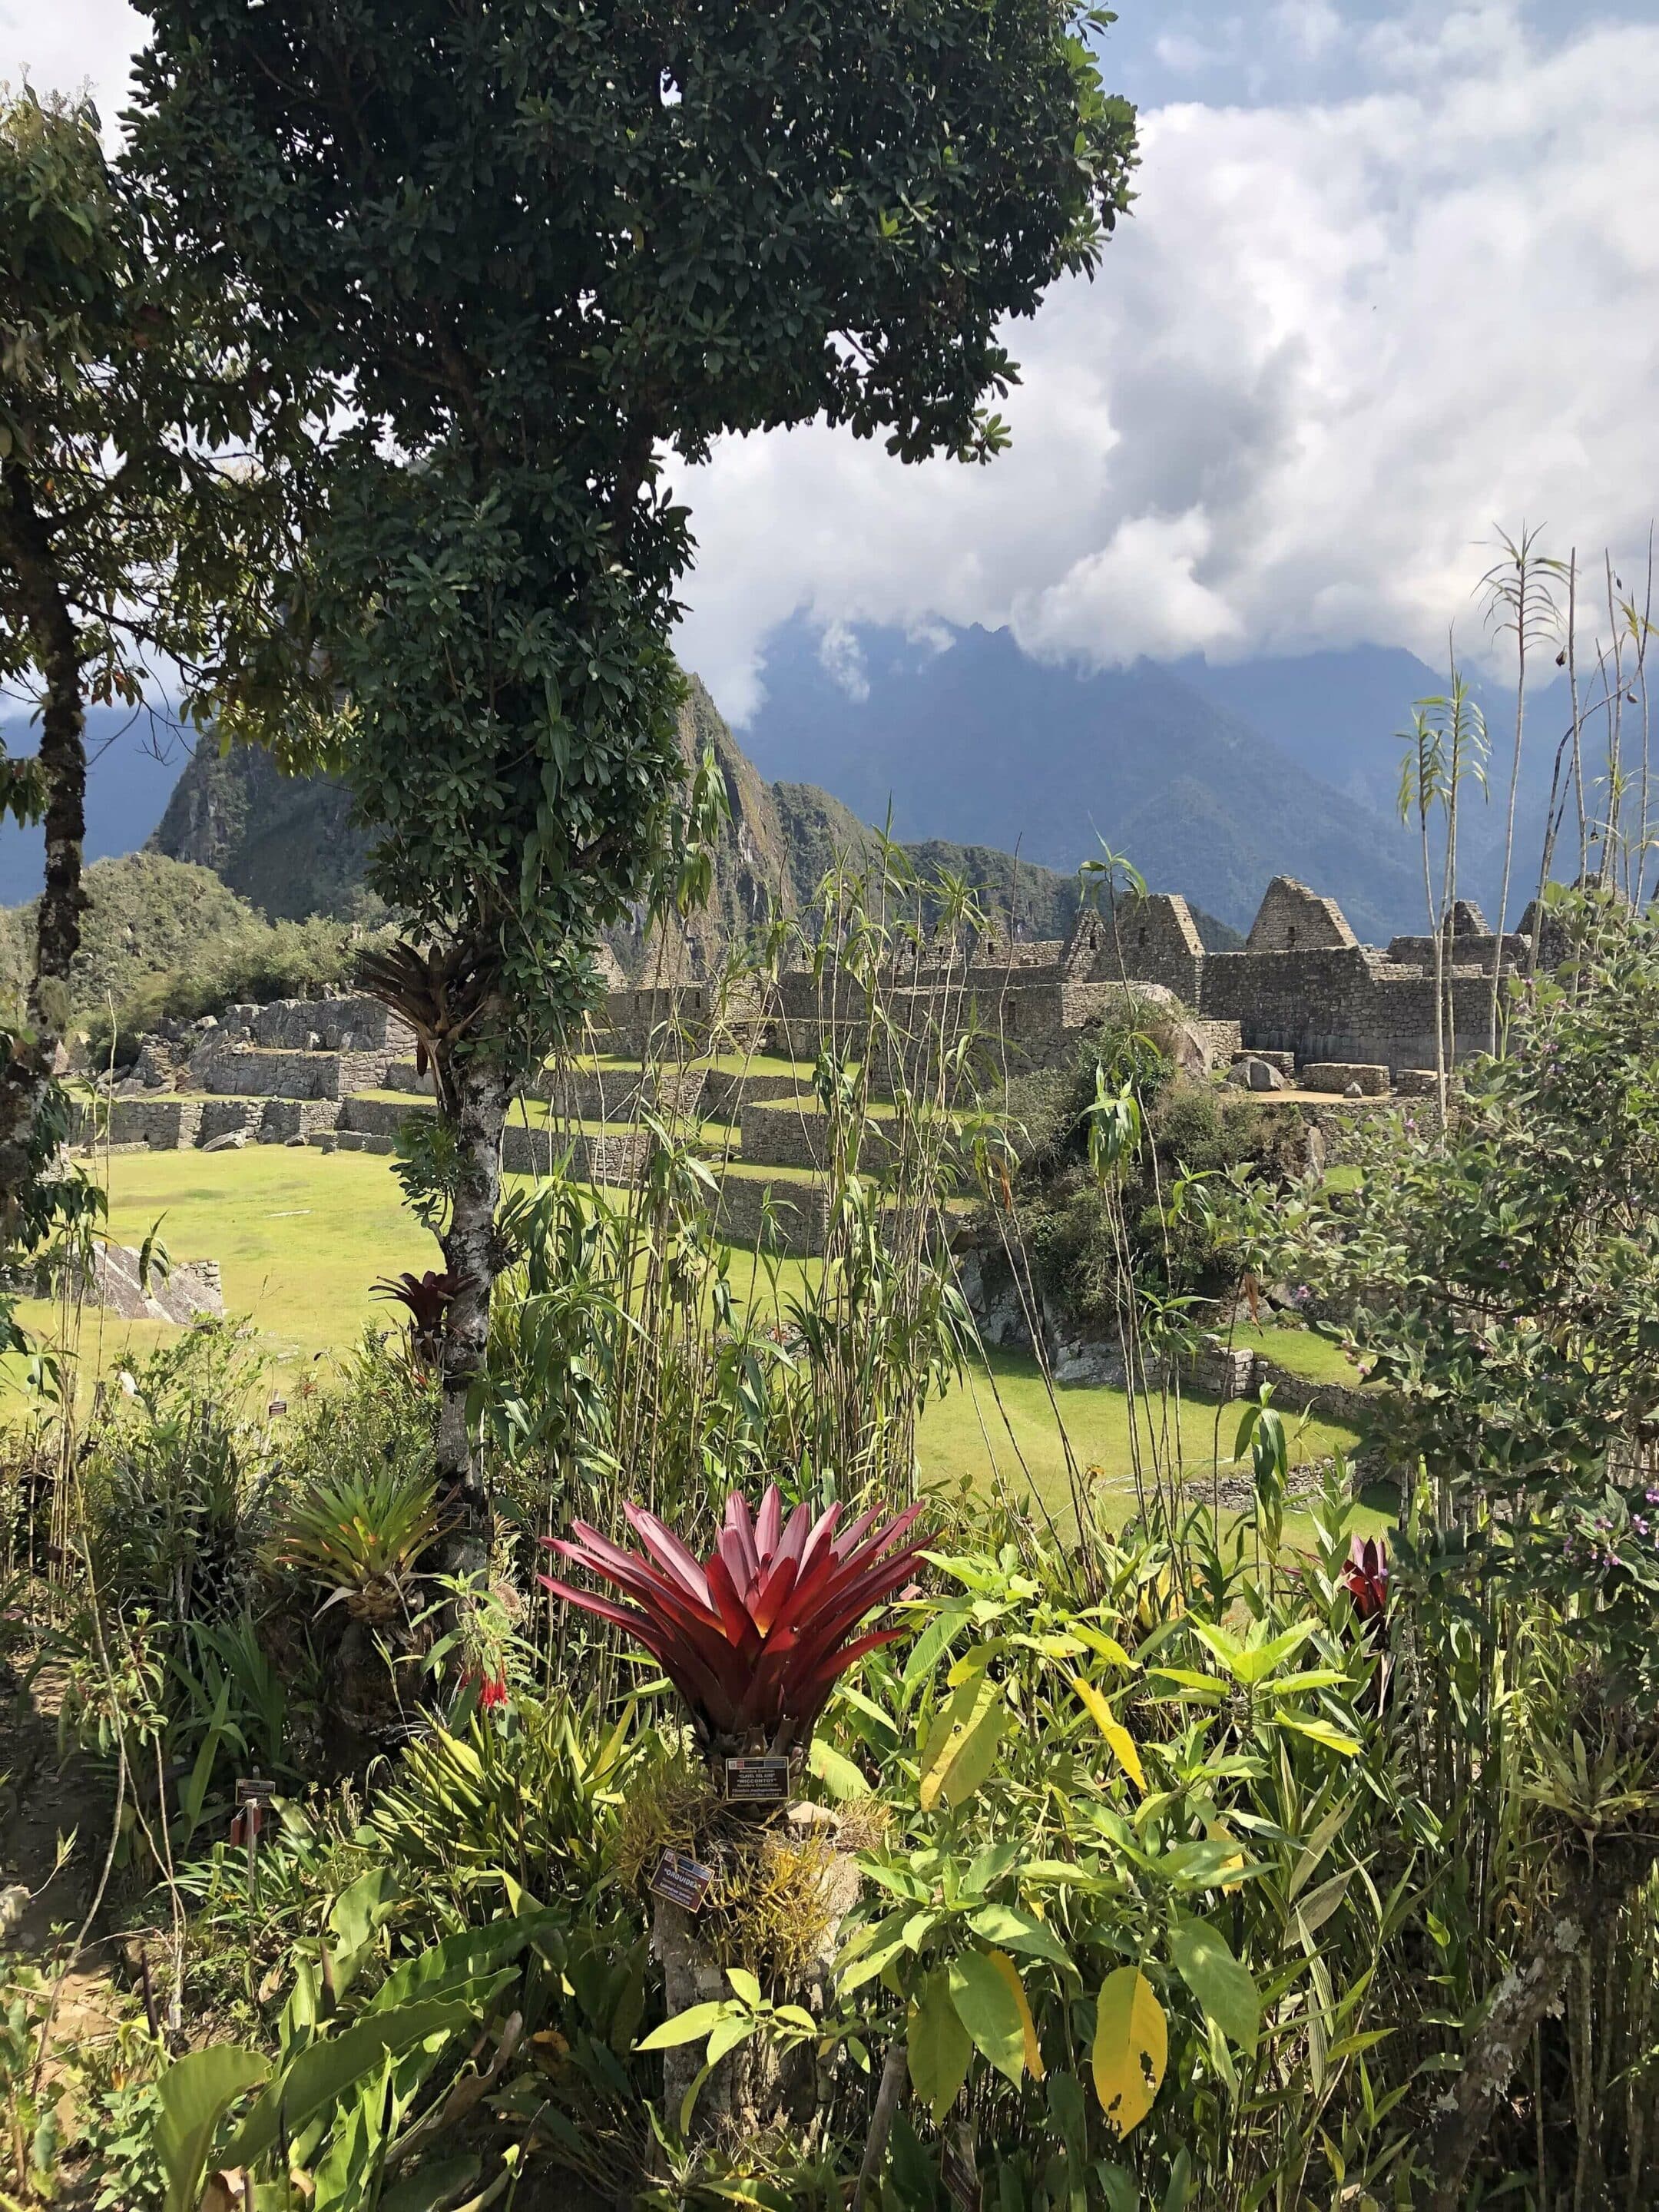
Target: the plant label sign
pixel 959 2168
pixel 682 1880
pixel 255 1789
pixel 758 1781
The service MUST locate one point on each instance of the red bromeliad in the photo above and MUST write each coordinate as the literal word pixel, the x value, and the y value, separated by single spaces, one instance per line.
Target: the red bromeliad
pixel 1366 1577
pixel 427 1297
pixel 753 1639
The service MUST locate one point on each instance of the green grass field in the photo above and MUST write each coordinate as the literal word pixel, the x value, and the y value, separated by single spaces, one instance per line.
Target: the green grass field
pixel 1302 1351
pixel 300 1237
pixel 1002 1424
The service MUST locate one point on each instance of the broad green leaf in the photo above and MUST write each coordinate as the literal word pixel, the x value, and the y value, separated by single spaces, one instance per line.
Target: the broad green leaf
pixel 357 1912
pixel 1132 2048
pixel 1317 1907
pixel 1019 1931
pixel 728 2034
pixel 938 2046
pixel 1257 1661
pixel 1224 1988
pixel 1225 1647
pixel 988 2009
pixel 1106 1646
pixel 961 1745
pixel 689 2026
pixel 1203 1686
pixel 746 1985
pixel 995 1861
pixel 194 2094
pixel 839 1776
pixel 1180 2182
pixel 1321 1678
pixel 1321 1732
pixel 930 1647
pixel 1122 1744
pixel 324 2071
pixel 460 1958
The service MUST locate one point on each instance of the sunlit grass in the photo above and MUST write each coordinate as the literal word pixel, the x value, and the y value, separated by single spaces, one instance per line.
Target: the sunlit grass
pixel 300 1237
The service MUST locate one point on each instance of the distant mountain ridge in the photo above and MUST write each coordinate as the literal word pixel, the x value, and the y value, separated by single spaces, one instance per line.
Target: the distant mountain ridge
pixel 290 846
pixel 1209 780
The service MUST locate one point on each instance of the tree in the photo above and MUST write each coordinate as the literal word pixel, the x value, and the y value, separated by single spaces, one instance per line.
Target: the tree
pixel 124 529
pixel 536 247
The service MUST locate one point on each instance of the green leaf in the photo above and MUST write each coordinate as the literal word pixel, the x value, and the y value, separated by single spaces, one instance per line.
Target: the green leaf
pixel 1019 1931
pixel 689 2026
pixel 322 2074
pixel 746 1985
pixel 988 2009
pixel 459 1959
pixel 930 1647
pixel 1257 1661
pixel 938 2045
pixel 194 2094
pixel 962 1746
pixel 728 2034
pixel 1224 1988
pixel 839 1776
pixel 1321 1732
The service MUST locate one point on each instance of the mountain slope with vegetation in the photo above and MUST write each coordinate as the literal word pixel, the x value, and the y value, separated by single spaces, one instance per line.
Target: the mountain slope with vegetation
pixel 978 740
pixel 287 845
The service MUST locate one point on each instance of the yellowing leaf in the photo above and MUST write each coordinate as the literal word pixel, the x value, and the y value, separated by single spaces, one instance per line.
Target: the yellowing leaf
pixel 838 1774
pixel 1117 1736
pixel 1322 1733
pixel 1132 2048
pixel 962 1746
pixel 1218 1833
pixel 1009 1974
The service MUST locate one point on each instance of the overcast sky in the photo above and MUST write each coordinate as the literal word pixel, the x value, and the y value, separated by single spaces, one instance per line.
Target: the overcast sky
pixel 1392 280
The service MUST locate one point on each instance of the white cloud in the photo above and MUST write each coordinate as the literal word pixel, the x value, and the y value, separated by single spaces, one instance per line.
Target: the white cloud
pixel 1338 344
pixel 842 657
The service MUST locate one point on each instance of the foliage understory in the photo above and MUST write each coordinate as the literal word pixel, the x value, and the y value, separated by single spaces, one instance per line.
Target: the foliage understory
pixel 1198 1860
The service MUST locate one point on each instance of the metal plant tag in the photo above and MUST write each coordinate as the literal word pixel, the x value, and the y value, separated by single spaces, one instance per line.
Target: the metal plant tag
pixel 758 1781
pixel 681 1881
pixel 255 1789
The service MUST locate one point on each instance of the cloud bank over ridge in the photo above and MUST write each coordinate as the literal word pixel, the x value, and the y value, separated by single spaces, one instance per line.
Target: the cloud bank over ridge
pixel 1341 341
pixel 1392 282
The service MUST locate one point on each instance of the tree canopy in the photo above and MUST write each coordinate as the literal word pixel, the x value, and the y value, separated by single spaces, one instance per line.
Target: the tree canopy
pixel 126 526
pixel 515 256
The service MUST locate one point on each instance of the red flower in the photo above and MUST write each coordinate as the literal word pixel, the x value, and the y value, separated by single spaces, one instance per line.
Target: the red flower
pixel 1366 1577
pixel 755 1639
pixel 492 1689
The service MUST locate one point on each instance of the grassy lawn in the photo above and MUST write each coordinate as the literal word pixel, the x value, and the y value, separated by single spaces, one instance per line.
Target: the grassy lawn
pixel 1003 1417
pixel 300 1236
pixel 1302 1350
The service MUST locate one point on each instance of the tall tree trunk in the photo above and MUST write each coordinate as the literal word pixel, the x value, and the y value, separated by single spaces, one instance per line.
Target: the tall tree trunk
pixel 26 548
pixel 476 1106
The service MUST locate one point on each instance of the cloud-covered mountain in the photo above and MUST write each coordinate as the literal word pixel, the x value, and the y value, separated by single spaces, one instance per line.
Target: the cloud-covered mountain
pixel 973 740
